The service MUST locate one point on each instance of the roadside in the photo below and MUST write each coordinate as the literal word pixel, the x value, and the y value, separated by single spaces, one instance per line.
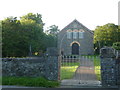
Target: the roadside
pixel 14 86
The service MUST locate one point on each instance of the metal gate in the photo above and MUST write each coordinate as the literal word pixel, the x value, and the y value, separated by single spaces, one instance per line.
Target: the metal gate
pixel 80 70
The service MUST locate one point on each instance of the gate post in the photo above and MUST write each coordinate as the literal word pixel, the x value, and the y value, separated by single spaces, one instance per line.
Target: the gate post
pixel 118 68
pixel 108 66
pixel 59 68
pixel 52 63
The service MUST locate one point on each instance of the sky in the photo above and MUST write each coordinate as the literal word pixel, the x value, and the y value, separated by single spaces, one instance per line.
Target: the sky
pixel 90 13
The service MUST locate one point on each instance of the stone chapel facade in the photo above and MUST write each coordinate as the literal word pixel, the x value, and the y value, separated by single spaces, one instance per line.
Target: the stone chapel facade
pixel 75 39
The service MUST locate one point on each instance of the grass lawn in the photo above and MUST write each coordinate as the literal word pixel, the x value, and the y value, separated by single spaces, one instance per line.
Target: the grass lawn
pixel 28 81
pixel 97 68
pixel 68 70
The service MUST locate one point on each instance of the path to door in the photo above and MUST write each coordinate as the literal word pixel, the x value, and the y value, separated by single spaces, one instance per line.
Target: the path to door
pixel 84 75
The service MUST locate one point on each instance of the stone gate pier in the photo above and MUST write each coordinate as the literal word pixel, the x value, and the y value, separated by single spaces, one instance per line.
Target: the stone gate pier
pixel 110 66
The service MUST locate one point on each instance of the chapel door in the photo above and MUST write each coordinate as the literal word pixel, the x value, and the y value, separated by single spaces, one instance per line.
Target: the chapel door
pixel 75 49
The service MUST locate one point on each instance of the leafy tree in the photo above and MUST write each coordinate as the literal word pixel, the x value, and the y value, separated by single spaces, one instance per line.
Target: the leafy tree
pixel 10 36
pixel 106 35
pixel 33 26
pixel 18 35
pixel 35 17
pixel 51 37
pixel 116 45
pixel 53 30
pixel 50 41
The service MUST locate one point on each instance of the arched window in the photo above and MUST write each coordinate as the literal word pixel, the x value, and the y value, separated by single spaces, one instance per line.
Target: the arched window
pixel 81 34
pixel 69 34
pixel 75 35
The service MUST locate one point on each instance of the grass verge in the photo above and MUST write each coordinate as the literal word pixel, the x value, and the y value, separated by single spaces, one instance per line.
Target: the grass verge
pixel 28 81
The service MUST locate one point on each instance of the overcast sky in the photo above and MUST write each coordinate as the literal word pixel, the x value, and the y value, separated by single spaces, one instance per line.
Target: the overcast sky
pixel 90 13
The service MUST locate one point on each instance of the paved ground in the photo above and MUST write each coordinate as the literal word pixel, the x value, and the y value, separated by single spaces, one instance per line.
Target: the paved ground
pixel 84 76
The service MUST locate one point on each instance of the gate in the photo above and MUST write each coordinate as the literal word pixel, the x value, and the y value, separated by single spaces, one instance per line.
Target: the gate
pixel 80 70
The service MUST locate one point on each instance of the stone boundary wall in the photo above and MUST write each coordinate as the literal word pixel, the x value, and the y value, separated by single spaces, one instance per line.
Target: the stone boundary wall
pixel 31 67
pixel 110 66
pixel 118 68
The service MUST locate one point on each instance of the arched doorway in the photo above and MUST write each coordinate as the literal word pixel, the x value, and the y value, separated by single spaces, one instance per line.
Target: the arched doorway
pixel 75 49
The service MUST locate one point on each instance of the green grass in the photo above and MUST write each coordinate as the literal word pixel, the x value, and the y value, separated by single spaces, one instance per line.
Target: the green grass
pixel 28 81
pixel 97 68
pixel 68 70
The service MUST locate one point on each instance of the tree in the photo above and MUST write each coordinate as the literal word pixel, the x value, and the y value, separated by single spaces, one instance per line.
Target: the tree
pixel 52 36
pixel 53 30
pixel 50 41
pixel 116 45
pixel 18 35
pixel 35 17
pixel 10 36
pixel 33 25
pixel 105 35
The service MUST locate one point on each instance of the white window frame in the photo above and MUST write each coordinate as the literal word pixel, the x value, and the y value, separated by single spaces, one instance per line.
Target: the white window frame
pixel 69 34
pixel 75 35
pixel 81 35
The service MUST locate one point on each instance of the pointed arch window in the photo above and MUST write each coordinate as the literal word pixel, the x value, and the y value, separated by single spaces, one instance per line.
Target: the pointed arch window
pixel 81 35
pixel 69 34
pixel 75 34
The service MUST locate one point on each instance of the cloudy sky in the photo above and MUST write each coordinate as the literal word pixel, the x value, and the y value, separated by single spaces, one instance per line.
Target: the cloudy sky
pixel 90 13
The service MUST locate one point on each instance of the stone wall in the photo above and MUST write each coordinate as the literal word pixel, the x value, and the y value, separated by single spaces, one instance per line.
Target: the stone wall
pixel 110 70
pixel 31 67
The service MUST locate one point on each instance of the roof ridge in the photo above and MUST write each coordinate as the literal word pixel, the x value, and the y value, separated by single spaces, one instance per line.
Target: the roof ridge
pixel 68 24
pixel 75 20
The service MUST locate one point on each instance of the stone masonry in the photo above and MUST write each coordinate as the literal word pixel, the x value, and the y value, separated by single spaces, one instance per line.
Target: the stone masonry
pixel 31 67
pixel 110 70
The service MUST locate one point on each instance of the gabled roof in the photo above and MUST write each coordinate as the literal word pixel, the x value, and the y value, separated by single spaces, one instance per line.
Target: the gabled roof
pixel 76 21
